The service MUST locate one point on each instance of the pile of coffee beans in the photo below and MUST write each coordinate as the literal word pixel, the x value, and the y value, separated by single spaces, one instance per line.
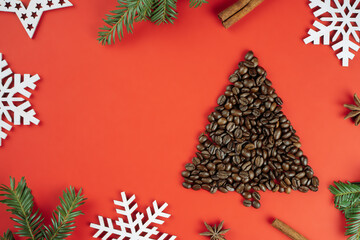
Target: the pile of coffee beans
pixel 249 144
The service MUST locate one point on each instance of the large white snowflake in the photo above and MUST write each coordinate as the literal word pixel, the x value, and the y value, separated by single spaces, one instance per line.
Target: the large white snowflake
pixel 14 105
pixel 339 27
pixel 133 229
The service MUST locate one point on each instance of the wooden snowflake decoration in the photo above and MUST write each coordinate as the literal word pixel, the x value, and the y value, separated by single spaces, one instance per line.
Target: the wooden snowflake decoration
pixel 131 224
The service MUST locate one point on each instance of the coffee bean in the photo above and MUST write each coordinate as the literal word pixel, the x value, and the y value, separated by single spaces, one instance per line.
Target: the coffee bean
pixel 309 174
pixel 304 181
pixel 303 189
pixel 222 174
pixel 286 135
pixel 287 181
pixel 223 190
pixel 213 190
pixel 249 55
pixel 304 160
pixel 185 174
pixel 196 187
pixel 240 188
pixel 315 181
pixel 312 188
pixel 262 187
pixel 204 174
pixel 230 127
pixel 250 146
pixel 206 180
pixel 190 167
pixel 201 168
pixel 206 187
pixel 246 195
pixel 246 166
pixel 300 175
pixel 249 64
pixel 277 134
pixel 233 78
pixel 228 106
pixel 256 204
pixel 247 187
pixel 244 174
pixel 256 196
pixel 276 188
pixel 247 203
pixel 222 121
pixel 278 101
pixel 221 100
pixel 246 153
pixel 186 185
pixel 295 182
pixel 259 161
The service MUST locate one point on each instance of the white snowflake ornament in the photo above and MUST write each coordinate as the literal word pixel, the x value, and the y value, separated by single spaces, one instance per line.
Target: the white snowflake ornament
pixel 30 16
pixel 14 105
pixel 133 229
pixel 342 20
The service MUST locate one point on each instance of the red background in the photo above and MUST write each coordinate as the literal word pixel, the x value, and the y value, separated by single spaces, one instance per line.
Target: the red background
pixel 126 117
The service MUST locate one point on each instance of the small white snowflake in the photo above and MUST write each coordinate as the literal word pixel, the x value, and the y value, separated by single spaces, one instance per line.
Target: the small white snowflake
pixel 13 105
pixel 133 229
pixel 340 19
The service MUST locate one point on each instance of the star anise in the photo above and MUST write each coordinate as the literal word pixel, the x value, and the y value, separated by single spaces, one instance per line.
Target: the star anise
pixel 355 110
pixel 215 232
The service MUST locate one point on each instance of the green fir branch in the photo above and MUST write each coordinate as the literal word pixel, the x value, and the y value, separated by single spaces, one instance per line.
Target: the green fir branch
pixel 164 11
pixel 197 3
pixel 347 200
pixel 130 11
pixel 64 216
pixel 20 203
pixel 7 236
pixel 346 194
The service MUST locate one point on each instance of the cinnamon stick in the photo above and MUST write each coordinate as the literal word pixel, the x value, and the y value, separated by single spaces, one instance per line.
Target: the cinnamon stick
pixel 241 13
pixel 287 230
pixel 228 12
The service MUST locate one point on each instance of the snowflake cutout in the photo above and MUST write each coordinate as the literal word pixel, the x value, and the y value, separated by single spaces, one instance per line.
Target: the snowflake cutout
pixel 133 229
pixel 341 20
pixel 30 16
pixel 14 105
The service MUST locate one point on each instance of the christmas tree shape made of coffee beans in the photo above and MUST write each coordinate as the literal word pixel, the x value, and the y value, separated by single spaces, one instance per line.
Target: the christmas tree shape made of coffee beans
pixel 249 144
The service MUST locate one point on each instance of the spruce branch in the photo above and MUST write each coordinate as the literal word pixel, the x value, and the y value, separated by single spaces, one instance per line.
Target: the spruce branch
pixel 130 11
pixel 197 3
pixel 20 203
pixel 347 200
pixel 7 236
pixel 64 216
pixel 164 11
